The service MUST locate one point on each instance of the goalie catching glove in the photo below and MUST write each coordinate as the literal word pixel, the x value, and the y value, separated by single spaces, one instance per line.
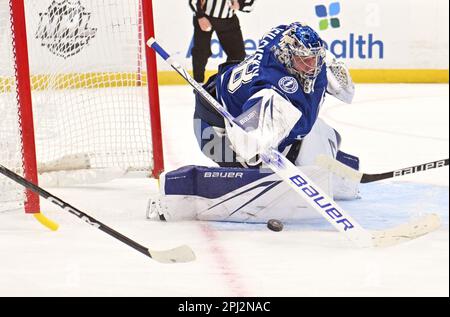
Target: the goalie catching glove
pixel 340 84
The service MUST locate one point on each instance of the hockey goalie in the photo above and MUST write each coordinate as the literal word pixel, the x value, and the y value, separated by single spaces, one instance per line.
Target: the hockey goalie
pixel 275 95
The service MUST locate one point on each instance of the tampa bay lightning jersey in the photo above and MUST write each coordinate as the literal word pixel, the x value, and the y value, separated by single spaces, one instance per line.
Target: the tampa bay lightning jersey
pixel 262 70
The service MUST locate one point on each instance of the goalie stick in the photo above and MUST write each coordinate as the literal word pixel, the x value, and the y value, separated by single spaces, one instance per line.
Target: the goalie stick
pixel 176 255
pixel 346 171
pixel 303 186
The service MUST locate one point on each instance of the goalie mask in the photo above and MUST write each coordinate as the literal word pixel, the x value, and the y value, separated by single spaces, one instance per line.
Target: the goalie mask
pixel 302 51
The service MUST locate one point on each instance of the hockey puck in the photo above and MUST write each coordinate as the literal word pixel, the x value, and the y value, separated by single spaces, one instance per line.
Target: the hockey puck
pixel 275 225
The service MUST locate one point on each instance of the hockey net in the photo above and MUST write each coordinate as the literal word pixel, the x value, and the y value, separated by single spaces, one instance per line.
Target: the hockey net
pixel 93 104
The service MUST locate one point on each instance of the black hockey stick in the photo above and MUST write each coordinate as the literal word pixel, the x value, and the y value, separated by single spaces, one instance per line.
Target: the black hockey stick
pixel 343 170
pixel 176 255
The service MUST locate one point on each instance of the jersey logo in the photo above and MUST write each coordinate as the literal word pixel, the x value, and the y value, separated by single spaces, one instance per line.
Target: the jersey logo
pixel 288 84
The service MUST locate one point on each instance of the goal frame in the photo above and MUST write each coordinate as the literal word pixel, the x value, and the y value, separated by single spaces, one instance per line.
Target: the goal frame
pixel 25 102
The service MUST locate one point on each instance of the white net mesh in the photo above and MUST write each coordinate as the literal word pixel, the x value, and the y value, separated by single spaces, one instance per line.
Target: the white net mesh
pixel 89 91
pixel 11 194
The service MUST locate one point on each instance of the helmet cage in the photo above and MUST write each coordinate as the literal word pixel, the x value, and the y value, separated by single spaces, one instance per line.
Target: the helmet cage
pixel 302 42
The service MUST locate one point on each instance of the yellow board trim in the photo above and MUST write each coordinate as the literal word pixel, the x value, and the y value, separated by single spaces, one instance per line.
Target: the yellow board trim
pixel 78 81
pixel 400 75
pixel 110 80
pixel 173 78
pixel 46 222
pixel 358 76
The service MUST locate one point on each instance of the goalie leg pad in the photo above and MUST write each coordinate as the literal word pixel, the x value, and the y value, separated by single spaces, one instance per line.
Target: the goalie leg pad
pixel 231 194
pixel 345 188
pixel 324 140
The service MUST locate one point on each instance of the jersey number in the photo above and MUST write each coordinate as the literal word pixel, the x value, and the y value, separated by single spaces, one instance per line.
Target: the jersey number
pixel 240 75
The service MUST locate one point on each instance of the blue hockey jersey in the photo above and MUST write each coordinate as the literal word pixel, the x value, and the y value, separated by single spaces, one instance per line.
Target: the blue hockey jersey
pixel 238 83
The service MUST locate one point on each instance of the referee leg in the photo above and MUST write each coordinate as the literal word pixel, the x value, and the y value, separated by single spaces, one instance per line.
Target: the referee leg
pixel 201 51
pixel 230 36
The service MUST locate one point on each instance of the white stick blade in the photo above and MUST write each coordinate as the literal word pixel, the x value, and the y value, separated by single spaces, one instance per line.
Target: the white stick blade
pixel 180 254
pixel 406 232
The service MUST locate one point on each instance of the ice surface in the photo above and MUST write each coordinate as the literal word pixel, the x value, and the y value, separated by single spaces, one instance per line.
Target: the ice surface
pixel 388 126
